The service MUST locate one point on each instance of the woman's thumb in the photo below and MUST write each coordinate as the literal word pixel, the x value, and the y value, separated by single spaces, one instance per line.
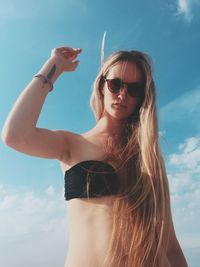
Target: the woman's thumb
pixel 75 63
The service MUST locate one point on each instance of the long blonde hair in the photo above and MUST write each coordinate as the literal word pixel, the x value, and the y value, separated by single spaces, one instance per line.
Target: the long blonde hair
pixel 141 210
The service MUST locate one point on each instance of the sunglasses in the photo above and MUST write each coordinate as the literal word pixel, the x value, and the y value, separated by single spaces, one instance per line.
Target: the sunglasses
pixel 134 89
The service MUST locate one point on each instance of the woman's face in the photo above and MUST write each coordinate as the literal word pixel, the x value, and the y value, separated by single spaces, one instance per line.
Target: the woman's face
pixel 121 105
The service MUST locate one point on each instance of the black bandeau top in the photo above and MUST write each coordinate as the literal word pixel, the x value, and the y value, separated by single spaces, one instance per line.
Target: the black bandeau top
pixel 101 176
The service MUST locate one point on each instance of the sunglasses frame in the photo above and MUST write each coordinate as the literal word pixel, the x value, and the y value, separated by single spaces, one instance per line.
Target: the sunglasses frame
pixel 130 90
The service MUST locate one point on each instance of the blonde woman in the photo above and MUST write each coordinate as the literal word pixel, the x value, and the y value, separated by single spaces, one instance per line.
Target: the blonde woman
pixel 116 186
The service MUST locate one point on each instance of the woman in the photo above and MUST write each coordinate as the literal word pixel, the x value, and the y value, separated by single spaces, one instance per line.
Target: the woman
pixel 115 180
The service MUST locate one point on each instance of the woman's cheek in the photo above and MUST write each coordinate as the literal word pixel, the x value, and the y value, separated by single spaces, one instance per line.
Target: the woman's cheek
pixel 133 104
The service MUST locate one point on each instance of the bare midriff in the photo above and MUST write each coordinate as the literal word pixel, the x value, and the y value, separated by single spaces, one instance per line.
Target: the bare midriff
pixel 89 223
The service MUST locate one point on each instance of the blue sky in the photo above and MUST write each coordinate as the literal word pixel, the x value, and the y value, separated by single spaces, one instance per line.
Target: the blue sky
pixel 32 207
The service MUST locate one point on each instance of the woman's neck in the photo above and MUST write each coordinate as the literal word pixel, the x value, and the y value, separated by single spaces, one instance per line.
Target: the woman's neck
pixel 109 127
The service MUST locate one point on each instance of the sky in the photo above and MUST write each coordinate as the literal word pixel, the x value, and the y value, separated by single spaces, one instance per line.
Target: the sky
pixel 33 214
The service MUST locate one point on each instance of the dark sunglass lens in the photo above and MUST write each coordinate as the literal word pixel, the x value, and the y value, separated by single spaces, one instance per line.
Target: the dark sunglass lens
pixel 135 89
pixel 114 85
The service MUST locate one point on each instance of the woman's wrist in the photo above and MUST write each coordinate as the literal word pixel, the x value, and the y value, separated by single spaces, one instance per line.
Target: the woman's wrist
pixel 51 70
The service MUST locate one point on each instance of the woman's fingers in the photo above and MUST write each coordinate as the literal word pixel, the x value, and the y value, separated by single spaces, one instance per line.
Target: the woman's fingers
pixel 66 57
pixel 70 54
pixel 72 57
pixel 70 49
pixel 75 64
pixel 69 57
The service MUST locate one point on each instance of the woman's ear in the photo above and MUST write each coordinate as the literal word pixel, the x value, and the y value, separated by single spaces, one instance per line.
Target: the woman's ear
pixel 101 85
pixel 102 90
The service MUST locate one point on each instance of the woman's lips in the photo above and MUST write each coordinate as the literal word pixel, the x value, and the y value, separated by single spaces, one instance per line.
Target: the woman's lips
pixel 119 105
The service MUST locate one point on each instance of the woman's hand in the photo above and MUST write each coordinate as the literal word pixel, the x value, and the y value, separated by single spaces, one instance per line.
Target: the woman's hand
pixel 65 56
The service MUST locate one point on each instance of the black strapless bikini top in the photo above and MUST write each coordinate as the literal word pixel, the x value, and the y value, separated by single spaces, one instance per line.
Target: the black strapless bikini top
pixel 101 176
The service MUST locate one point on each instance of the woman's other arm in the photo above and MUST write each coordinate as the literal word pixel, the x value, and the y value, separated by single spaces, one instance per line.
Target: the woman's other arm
pixel 20 131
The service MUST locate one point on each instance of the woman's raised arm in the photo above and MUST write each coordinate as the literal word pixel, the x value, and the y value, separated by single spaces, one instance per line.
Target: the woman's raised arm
pixel 20 131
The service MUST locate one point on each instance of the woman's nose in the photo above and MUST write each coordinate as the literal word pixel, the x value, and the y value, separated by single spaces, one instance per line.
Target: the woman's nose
pixel 123 92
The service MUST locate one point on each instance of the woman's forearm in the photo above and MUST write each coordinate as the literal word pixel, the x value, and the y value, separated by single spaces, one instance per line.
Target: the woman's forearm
pixel 24 115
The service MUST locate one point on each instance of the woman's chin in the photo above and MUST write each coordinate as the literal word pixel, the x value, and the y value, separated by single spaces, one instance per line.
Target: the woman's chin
pixel 119 115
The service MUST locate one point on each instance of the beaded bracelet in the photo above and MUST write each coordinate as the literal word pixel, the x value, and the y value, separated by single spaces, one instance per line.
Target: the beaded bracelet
pixel 45 80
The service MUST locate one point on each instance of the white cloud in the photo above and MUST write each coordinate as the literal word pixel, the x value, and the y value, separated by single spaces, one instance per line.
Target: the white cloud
pixel 190 144
pixel 33 228
pixel 179 182
pixel 184 180
pixel 31 213
pixel 185 8
pixel 189 156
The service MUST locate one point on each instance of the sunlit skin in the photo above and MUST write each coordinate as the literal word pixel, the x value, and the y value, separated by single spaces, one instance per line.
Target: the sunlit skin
pixel 114 116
